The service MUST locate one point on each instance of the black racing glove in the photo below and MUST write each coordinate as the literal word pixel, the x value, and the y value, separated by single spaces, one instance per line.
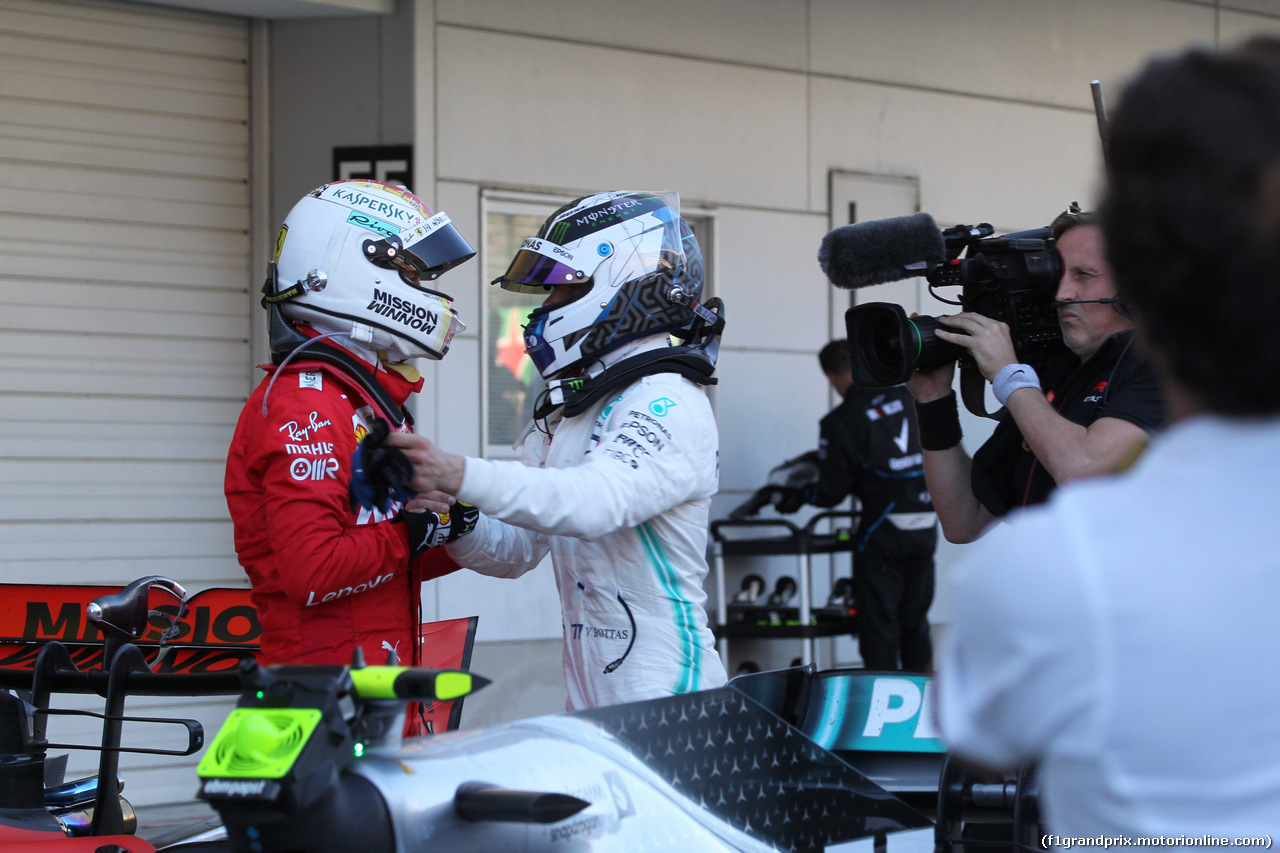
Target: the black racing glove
pixel 379 474
pixel 430 529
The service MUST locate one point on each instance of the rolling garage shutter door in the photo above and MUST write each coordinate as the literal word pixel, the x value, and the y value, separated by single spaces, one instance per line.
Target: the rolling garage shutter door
pixel 124 312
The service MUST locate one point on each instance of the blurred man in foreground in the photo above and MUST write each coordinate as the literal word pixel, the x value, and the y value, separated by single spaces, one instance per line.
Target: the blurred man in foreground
pixel 1124 635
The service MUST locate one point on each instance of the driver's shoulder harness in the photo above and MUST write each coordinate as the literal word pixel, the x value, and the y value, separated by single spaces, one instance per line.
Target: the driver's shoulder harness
pixel 694 359
pixel 348 367
pixel 577 394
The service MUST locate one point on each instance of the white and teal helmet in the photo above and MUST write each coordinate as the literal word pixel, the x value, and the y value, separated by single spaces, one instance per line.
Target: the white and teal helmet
pixel 352 258
pixel 636 262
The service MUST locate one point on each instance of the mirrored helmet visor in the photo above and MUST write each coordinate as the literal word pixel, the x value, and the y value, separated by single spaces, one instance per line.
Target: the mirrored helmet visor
pixel 531 272
pixel 541 264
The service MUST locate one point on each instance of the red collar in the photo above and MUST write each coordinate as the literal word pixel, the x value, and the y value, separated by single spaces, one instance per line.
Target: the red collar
pixel 397 386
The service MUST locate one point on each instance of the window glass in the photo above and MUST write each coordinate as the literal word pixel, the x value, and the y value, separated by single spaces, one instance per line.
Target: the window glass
pixel 513 382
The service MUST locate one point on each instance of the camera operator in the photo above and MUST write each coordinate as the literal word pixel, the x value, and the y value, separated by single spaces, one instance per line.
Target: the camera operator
pixel 1090 413
pixel 1135 663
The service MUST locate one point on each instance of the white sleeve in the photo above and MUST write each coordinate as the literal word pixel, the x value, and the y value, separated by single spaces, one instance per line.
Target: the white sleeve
pixel 498 550
pixel 655 448
pixel 1018 667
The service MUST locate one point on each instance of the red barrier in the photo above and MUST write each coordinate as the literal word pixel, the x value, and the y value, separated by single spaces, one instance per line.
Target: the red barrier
pixel 219 628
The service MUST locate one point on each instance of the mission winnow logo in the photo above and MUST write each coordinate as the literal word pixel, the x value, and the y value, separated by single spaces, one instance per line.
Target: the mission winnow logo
pixel 403 311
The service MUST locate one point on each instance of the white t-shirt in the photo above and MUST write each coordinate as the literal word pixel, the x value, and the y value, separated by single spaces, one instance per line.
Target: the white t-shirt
pixel 1127 634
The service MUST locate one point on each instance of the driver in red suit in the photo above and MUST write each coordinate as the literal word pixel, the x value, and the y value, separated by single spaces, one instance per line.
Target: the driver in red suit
pixel 348 309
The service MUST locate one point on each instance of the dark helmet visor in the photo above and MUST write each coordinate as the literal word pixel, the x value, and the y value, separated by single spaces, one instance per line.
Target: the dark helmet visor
pixel 441 249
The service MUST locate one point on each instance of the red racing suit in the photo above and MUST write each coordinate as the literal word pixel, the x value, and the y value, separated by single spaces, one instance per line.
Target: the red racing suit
pixel 325 579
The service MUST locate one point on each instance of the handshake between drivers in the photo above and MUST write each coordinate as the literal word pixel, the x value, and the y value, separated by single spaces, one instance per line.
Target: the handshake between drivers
pixel 436 473
pixel 404 467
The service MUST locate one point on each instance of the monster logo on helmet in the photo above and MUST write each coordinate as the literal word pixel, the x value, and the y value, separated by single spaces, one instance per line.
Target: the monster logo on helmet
pixel 350 262
pixel 634 260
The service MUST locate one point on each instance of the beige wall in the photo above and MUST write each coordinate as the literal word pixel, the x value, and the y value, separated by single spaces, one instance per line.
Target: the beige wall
pixel 743 106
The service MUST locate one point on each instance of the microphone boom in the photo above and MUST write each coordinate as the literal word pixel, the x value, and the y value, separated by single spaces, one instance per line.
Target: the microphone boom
pixel 881 250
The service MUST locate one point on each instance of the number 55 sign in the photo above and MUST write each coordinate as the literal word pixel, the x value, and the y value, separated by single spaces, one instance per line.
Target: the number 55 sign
pixel 390 164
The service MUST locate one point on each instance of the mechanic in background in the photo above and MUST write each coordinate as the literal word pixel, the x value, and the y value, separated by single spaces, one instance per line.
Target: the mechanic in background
pixel 1124 634
pixel 869 447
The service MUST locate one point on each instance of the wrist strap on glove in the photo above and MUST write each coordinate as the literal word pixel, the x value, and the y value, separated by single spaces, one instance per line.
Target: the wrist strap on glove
pixel 464 518
pixel 428 530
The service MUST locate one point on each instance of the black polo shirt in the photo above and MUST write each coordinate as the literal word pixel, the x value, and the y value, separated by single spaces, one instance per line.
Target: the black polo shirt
pixel 1116 382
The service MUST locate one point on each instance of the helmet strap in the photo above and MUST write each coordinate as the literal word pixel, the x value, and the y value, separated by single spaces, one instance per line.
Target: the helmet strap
pixel 315 280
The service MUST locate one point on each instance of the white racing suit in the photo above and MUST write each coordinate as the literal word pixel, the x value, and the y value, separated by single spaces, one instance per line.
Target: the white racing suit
pixel 619 496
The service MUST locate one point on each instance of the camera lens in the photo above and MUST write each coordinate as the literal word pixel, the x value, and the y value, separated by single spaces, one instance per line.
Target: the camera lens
pixel 886 346
pixel 882 344
pixel 933 352
pixel 885 337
